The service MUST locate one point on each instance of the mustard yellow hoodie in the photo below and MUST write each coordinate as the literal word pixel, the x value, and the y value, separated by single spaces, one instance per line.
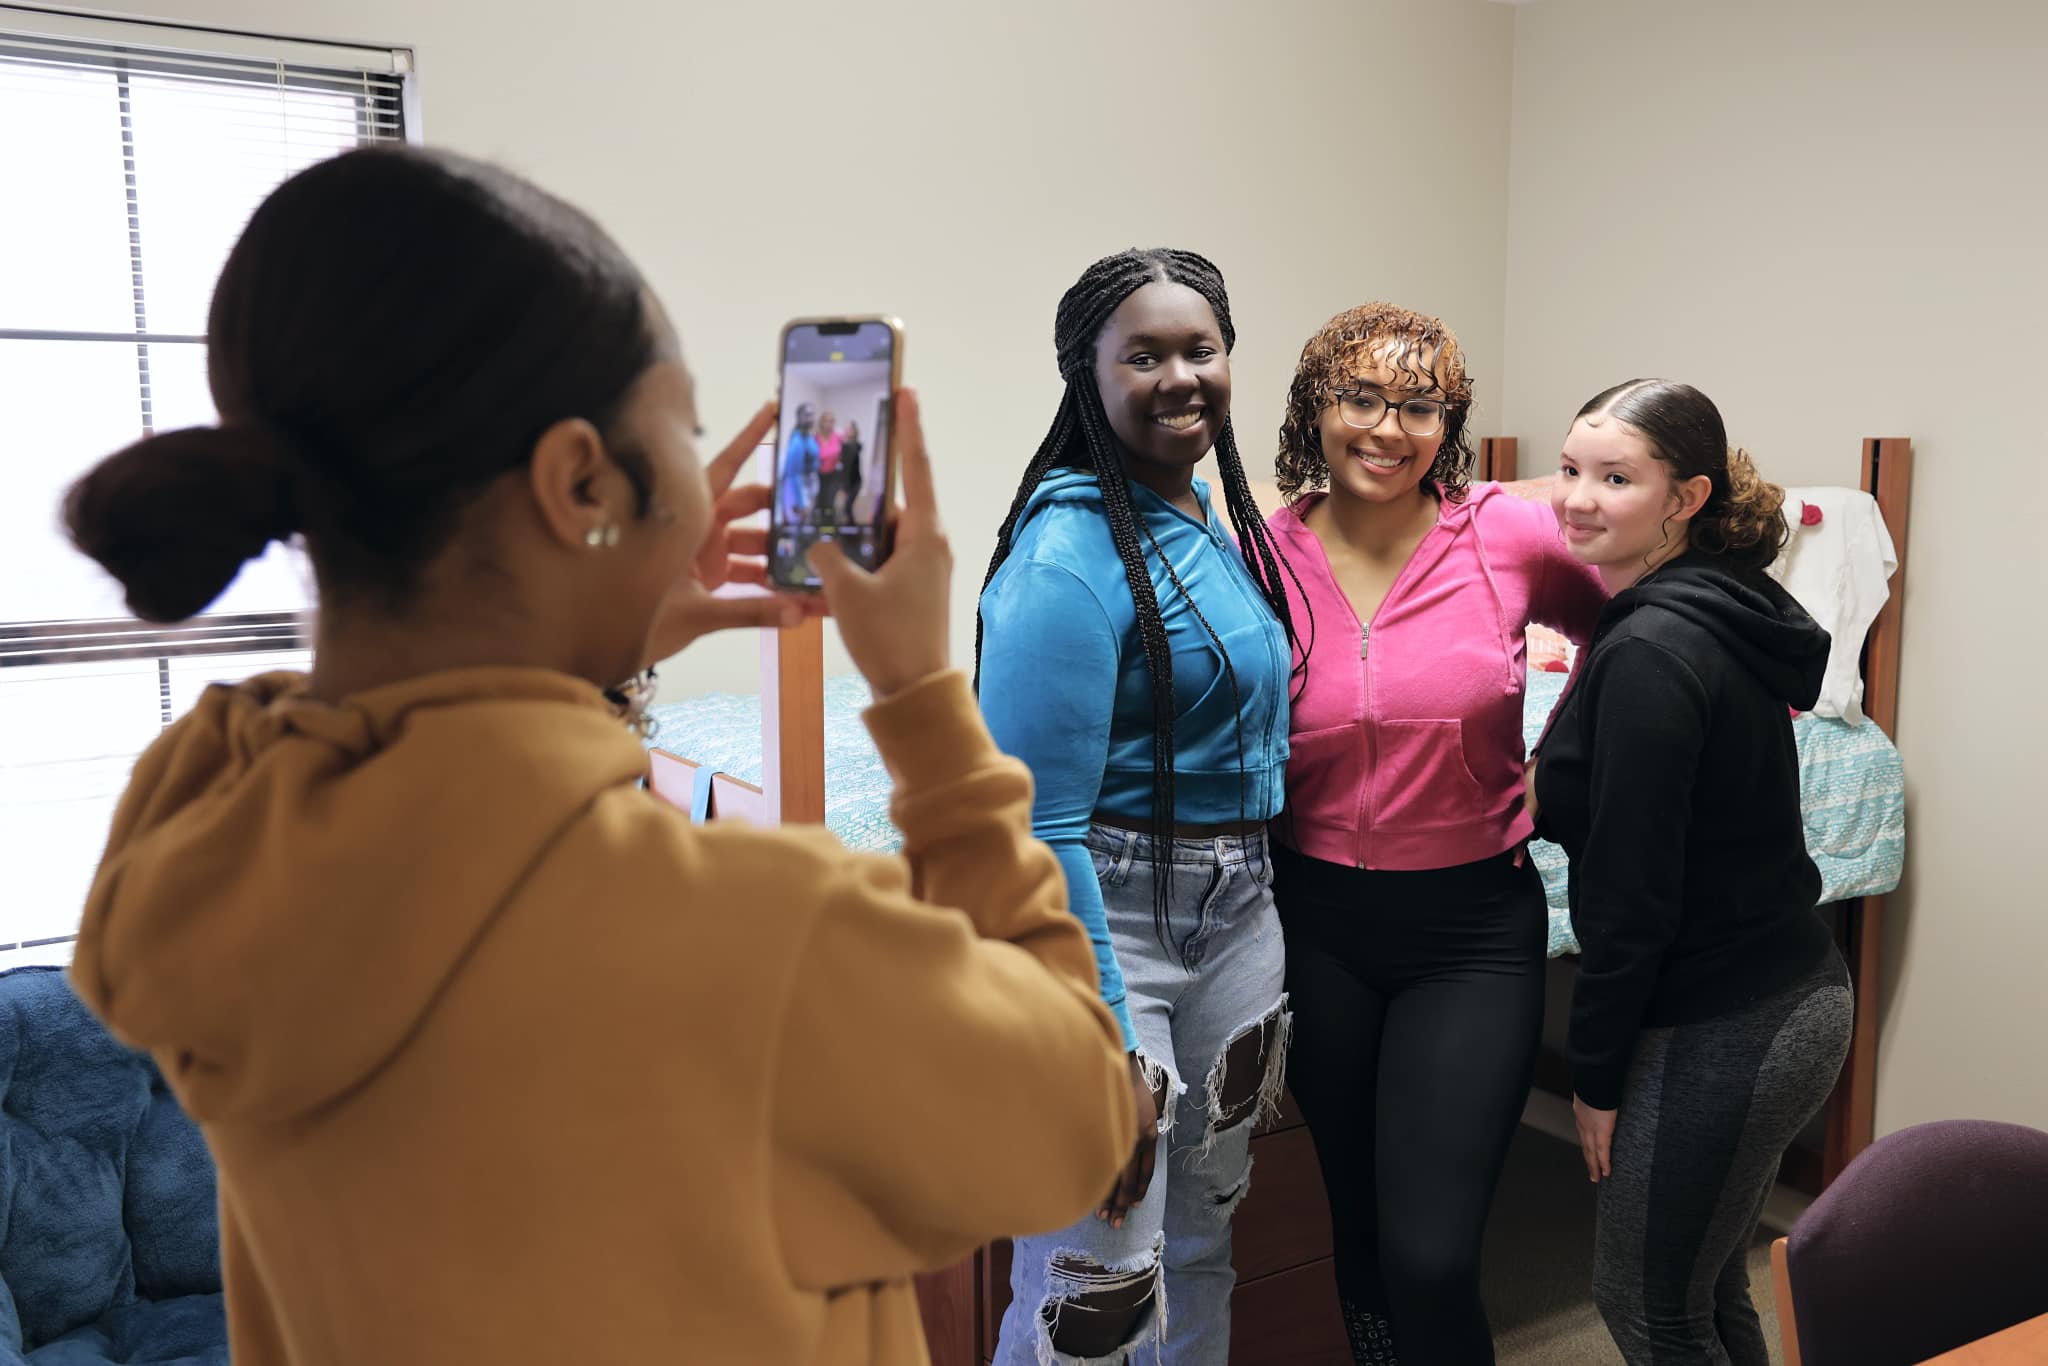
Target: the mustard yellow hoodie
pixel 502 1060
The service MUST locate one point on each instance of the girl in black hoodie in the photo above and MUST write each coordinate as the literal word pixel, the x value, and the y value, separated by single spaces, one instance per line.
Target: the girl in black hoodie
pixel 1712 1011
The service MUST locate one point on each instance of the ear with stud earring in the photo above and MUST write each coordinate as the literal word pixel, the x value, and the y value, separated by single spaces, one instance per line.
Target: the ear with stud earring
pixel 601 537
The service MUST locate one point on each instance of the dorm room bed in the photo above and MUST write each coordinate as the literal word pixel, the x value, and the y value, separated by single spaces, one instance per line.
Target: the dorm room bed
pixel 804 756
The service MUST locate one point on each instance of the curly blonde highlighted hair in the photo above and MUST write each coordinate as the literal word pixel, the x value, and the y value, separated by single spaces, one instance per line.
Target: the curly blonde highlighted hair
pixel 1418 348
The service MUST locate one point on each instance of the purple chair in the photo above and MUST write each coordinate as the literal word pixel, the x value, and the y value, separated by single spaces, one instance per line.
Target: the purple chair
pixel 1934 1237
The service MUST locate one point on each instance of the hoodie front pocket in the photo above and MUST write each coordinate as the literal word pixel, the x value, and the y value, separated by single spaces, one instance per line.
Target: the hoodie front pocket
pixel 1323 774
pixel 1421 780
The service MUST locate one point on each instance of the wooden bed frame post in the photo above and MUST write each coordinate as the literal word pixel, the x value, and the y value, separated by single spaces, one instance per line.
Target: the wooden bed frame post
pixel 1498 458
pixel 1887 477
pixel 793 723
pixel 1852 1115
pixel 792 790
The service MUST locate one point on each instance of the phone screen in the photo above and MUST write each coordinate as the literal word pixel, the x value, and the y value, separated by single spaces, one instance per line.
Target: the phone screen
pixel 831 450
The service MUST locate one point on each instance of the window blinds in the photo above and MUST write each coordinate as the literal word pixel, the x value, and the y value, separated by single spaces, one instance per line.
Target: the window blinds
pixel 133 156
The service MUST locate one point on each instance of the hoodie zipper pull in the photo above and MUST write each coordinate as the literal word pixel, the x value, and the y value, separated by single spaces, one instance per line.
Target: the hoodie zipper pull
pixel 1364 639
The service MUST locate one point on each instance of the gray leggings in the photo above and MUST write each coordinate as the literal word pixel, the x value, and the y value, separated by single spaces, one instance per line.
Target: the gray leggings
pixel 1707 1112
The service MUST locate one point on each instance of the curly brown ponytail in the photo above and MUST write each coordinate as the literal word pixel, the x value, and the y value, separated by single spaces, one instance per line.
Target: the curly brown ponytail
pixel 1742 522
pixel 1748 528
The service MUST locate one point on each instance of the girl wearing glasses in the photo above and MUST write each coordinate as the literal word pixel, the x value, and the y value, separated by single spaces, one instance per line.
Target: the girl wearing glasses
pixel 1415 924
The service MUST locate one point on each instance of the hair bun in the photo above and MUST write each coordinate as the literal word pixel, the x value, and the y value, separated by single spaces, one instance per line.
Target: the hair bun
pixel 174 517
pixel 1747 526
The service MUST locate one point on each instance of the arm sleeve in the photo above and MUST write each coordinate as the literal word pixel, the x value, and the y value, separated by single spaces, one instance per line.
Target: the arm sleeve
pixel 943 1077
pixel 1649 714
pixel 1049 661
pixel 1569 595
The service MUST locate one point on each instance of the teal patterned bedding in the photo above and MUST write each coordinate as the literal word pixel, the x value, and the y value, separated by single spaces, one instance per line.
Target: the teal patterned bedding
pixel 1852 789
pixel 1852 785
pixel 724 731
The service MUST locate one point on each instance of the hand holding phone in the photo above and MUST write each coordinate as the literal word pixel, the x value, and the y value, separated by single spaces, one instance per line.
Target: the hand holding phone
pixel 730 554
pixel 834 475
pixel 894 621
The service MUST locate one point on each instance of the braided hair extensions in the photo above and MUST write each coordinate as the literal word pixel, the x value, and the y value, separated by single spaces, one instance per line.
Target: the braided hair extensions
pixel 1080 438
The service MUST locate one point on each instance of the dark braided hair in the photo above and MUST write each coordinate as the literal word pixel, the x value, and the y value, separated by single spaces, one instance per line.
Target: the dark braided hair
pixel 1081 439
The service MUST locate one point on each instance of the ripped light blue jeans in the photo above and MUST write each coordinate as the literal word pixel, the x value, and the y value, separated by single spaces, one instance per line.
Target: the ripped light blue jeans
pixel 1222 980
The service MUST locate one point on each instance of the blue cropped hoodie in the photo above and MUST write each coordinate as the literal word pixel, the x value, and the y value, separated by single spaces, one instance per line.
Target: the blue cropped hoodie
pixel 1065 688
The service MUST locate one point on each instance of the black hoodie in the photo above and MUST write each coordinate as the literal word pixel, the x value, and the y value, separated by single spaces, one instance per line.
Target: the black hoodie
pixel 1670 776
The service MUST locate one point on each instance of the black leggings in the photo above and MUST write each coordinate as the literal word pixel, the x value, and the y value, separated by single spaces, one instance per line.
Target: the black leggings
pixel 1418 1005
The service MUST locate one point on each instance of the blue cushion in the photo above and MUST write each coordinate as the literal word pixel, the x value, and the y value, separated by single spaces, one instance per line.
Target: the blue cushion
pixel 109 1245
pixel 191 1330
pixel 173 1223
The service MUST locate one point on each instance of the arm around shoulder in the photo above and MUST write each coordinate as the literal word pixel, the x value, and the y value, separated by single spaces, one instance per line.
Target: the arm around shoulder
pixel 1568 596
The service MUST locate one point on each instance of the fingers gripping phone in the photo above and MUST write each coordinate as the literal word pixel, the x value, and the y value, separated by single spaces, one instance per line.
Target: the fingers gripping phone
pixel 835 476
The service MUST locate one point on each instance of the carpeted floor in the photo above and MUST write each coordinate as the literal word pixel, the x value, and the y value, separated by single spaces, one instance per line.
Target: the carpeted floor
pixel 1539 1262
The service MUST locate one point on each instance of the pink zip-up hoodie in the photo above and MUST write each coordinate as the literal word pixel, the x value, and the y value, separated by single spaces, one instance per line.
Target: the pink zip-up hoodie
pixel 1406 738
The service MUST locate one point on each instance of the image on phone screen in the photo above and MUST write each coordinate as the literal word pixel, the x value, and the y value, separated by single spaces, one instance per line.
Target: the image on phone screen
pixel 832 442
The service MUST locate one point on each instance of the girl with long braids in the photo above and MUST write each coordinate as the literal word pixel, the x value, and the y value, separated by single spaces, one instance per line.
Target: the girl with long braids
pixel 1415 922
pixel 1138 661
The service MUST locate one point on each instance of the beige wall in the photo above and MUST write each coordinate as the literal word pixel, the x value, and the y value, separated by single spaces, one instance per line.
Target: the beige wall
pixel 1833 217
pixel 990 151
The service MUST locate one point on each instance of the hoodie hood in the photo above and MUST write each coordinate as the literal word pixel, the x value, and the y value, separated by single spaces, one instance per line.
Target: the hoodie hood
pixel 289 884
pixel 1757 621
pixel 1076 487
pixel 1080 488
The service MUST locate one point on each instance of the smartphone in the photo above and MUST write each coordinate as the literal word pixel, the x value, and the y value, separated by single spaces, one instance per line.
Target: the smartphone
pixel 835 476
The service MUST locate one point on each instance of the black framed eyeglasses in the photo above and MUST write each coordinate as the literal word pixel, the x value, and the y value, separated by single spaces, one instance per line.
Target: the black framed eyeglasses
pixel 1418 416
